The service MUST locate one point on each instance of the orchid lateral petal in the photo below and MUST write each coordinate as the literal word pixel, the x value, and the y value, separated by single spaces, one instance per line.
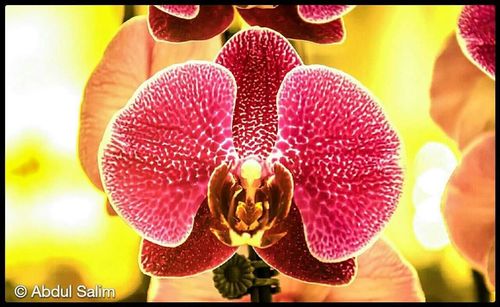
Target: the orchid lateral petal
pixel 158 152
pixel 130 59
pixel 320 14
pixel 259 59
pixel 344 157
pixel 476 36
pixel 211 20
pixel 458 90
pixel 181 11
pixel 202 251
pixel 291 257
pixel 469 202
pixel 286 20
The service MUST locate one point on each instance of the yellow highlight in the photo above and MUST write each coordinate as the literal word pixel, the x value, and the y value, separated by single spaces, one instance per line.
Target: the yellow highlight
pixel 245 238
pixel 251 170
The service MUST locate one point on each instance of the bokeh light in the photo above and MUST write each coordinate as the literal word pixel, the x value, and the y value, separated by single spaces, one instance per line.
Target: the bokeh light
pixel 434 164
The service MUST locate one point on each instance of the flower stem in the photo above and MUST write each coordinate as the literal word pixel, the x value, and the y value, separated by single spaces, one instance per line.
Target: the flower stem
pixel 260 294
pixel 483 294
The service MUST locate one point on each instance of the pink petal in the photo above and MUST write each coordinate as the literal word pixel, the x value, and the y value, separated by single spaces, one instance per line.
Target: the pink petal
pixel 476 35
pixel 202 251
pixel 181 11
pixel 383 276
pixel 211 20
pixel 286 20
pixel 344 157
pixel 469 202
pixel 291 257
pixel 259 59
pixel 130 58
pixel 198 288
pixel 320 14
pixel 458 90
pixel 159 150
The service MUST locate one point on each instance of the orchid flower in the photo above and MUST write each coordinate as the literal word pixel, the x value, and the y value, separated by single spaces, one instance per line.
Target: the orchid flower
pixel 255 149
pixel 462 104
pixel 316 23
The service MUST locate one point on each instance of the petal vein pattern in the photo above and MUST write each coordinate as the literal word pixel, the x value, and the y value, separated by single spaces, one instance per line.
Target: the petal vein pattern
pixel 181 11
pixel 476 36
pixel 259 59
pixel 159 150
pixel 322 13
pixel 344 157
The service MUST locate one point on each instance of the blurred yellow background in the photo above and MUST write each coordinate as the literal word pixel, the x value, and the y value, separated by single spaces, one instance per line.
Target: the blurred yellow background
pixel 57 229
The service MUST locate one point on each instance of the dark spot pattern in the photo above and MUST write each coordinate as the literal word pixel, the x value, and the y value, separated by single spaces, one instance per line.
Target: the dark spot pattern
pixel 162 147
pixel 344 157
pixel 259 59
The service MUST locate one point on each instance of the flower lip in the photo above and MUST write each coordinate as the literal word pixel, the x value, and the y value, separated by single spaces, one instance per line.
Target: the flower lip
pixel 247 208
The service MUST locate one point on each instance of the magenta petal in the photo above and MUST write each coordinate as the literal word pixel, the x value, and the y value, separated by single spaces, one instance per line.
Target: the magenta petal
pixel 211 20
pixel 476 36
pixel 259 59
pixel 343 154
pixel 158 152
pixel 286 20
pixel 322 13
pixel 181 11
pixel 202 251
pixel 291 257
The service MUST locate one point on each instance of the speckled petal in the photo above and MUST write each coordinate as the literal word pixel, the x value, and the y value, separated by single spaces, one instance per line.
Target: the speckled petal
pixel 129 60
pixel 202 251
pixel 210 21
pixel 181 11
pixel 476 36
pixel 320 14
pixel 344 157
pixel 286 20
pixel 458 90
pixel 259 59
pixel 159 150
pixel 469 202
pixel 291 257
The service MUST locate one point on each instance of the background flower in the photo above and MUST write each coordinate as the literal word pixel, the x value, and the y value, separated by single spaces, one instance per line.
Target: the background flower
pixel 463 105
pixel 316 23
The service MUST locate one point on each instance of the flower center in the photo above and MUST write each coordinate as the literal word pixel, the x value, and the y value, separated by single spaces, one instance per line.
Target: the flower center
pixel 249 208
